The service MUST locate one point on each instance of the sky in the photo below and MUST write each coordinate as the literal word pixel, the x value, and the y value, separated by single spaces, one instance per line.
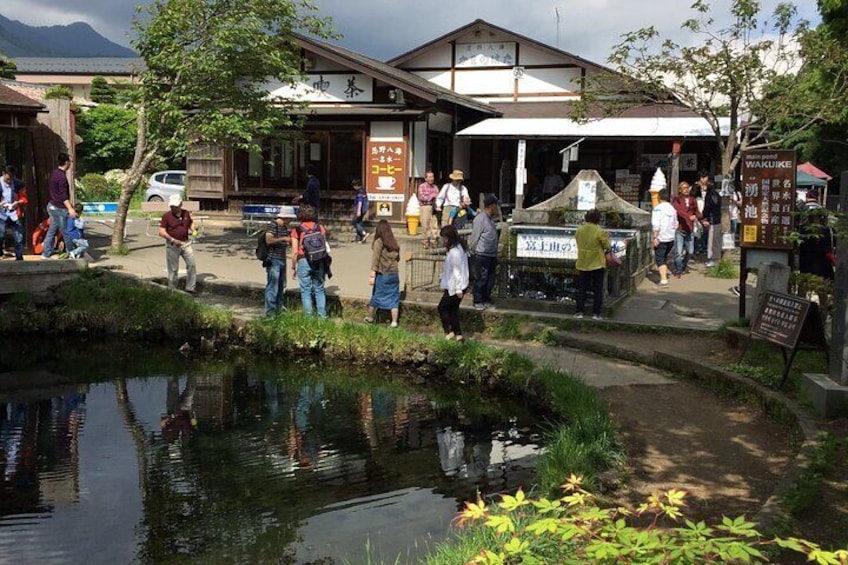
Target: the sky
pixel 383 29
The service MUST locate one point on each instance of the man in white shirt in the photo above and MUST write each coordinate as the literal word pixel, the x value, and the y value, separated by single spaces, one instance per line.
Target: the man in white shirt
pixel 663 224
pixel 451 196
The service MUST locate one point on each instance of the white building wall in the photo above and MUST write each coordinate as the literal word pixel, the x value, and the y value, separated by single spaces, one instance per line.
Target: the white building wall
pixel 528 55
pixel 488 82
pixel 441 78
pixel 549 81
pixel 387 131
pixel 439 56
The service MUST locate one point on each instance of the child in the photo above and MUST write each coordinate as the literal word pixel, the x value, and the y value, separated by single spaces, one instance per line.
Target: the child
pixel 461 216
pixel 75 234
pixel 360 209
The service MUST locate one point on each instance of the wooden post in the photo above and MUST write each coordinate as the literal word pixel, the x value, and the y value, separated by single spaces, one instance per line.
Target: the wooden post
pixel 838 347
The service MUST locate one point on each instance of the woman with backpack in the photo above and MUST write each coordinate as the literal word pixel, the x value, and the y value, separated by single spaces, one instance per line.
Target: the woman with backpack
pixel 385 254
pixel 454 282
pixel 309 260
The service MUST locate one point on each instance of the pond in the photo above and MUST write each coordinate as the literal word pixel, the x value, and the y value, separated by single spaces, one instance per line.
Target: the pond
pixel 124 455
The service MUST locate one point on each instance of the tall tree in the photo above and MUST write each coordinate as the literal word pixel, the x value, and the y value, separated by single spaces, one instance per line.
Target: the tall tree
pixel 7 67
pixel 108 138
pixel 101 91
pixel 207 63
pixel 747 72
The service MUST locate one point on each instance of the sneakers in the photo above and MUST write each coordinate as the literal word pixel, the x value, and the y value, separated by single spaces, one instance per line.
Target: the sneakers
pixel 596 318
pixel 709 264
pixel 459 338
pixel 393 325
pixel 364 237
pixel 735 290
pixel 579 315
pixel 489 306
pixel 368 320
pixel 480 306
pixel 677 274
pixel 664 283
pixel 450 336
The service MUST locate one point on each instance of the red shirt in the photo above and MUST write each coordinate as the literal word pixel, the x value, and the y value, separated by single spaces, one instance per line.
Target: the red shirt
pixel 177 228
pixel 304 227
pixel 427 193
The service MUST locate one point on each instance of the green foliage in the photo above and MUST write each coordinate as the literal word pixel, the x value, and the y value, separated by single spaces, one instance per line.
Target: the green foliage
pixel 101 91
pixel 59 92
pixel 109 136
pixel 747 71
pixel 7 68
pixel 805 490
pixel 724 269
pixel 214 57
pixel 96 303
pixel 575 528
pixel 807 285
pixel 94 187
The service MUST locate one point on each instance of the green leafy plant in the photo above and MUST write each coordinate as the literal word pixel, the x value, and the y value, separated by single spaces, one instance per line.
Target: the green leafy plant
pixel 575 528
pixel 59 92
pixel 724 269
pixel 94 187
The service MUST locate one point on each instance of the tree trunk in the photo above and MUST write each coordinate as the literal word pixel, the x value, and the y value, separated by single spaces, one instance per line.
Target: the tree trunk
pixel 143 156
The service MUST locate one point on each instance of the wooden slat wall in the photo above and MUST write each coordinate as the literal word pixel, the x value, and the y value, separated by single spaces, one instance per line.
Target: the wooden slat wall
pixel 208 171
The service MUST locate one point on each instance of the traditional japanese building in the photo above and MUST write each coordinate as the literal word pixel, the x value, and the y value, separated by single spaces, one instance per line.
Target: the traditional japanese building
pixel 532 86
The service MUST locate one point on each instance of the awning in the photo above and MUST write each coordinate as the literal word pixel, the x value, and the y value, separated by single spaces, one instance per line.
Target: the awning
pixel 607 127
pixel 803 179
pixel 812 170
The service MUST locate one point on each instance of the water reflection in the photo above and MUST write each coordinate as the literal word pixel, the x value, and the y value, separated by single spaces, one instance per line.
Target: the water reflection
pixel 236 464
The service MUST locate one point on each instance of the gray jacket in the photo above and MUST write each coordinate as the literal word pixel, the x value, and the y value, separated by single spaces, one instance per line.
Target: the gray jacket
pixel 484 236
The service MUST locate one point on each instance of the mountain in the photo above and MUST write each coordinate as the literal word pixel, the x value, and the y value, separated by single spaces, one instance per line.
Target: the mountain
pixel 74 40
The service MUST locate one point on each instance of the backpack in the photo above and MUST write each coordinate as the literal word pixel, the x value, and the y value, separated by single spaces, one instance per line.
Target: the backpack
pixel 313 243
pixel 262 246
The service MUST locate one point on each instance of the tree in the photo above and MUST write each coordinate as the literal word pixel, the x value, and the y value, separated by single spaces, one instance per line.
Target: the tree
pixel 108 138
pixel 7 67
pixel 748 72
pixel 207 63
pixel 101 91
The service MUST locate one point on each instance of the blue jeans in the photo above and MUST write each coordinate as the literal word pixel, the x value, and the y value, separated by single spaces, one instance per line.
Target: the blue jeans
pixel 18 235
pixel 311 281
pixel 275 286
pixel 484 278
pixel 58 218
pixel 684 248
pixel 357 225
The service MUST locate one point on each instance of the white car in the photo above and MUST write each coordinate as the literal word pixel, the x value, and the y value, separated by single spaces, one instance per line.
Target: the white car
pixel 163 184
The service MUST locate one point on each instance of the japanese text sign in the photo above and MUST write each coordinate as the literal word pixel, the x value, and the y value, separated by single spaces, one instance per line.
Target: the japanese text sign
pixel 780 319
pixel 385 175
pixel 768 198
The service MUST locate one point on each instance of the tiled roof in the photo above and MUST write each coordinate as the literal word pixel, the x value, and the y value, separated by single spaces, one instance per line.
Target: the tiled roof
pixel 79 65
pixel 12 98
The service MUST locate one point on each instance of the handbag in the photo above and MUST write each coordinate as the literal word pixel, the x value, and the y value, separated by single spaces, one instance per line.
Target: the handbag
pixel 612 259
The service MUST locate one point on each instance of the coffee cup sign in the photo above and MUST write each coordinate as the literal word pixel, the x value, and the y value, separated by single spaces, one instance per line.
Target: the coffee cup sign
pixel 386 183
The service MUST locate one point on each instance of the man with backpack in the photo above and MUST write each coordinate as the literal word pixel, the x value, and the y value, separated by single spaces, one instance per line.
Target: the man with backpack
pixel 271 250
pixel 310 260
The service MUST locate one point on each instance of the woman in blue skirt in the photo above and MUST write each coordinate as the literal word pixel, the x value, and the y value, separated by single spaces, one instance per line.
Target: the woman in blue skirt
pixel 385 254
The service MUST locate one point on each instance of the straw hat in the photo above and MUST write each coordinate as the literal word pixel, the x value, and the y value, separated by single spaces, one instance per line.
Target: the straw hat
pixel 456 175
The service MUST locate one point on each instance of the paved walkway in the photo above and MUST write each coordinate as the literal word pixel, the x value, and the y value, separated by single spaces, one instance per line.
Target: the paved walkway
pixel 225 254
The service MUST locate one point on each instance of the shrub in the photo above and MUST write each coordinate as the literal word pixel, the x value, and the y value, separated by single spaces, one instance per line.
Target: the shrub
pixel 576 529
pixel 725 269
pixel 60 92
pixel 94 187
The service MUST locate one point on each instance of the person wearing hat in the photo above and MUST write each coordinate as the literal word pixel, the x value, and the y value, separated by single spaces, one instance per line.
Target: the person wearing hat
pixel 278 238
pixel 483 246
pixel 451 196
pixel 175 229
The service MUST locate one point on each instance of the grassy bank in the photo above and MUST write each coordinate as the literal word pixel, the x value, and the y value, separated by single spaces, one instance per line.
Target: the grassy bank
pixel 98 303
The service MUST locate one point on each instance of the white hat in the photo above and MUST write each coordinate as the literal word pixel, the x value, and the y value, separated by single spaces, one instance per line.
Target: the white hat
pixel 175 200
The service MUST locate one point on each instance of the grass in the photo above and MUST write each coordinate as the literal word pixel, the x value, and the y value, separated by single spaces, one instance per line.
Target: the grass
pixel 806 489
pixel 724 269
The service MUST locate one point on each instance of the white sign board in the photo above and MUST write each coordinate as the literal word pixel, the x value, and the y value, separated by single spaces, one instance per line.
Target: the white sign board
pixel 489 54
pixel 319 87
pixel 551 246
pixel 587 193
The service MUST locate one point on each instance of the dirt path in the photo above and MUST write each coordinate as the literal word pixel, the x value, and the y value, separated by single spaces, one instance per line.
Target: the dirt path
pixel 728 456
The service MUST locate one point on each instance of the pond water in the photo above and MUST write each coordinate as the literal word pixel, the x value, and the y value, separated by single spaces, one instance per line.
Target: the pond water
pixel 143 456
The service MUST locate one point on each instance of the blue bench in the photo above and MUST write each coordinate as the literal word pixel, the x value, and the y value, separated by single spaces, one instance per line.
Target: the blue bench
pixel 254 217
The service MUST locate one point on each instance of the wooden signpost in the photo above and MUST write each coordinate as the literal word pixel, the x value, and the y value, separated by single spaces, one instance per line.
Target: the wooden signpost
pixel 789 322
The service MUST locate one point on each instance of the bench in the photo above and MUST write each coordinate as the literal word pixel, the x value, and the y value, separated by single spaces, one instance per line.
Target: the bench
pixel 254 217
pixel 153 211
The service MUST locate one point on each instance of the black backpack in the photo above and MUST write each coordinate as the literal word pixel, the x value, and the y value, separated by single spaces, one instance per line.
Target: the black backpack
pixel 262 246
pixel 313 243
